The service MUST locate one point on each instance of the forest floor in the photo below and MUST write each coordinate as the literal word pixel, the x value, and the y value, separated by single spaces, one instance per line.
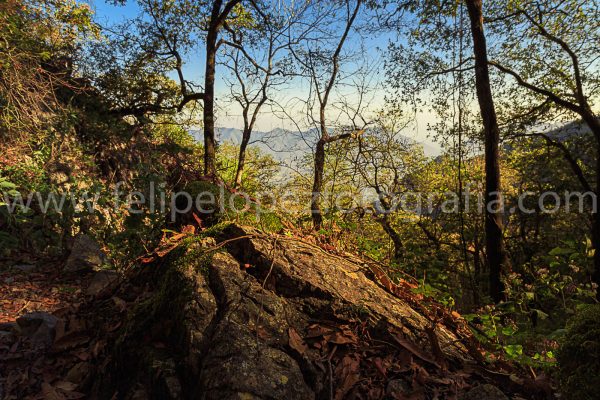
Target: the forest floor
pixel 63 339
pixel 39 289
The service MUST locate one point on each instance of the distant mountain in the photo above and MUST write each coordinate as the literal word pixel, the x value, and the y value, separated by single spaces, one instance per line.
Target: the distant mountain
pixel 564 131
pixel 282 144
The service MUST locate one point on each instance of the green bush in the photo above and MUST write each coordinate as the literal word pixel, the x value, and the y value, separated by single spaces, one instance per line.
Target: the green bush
pixel 227 206
pixel 579 356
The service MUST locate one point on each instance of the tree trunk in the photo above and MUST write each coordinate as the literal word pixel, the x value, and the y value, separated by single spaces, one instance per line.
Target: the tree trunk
pixel 210 144
pixel 242 158
pixel 385 223
pixel 596 231
pixel 495 252
pixel 594 125
pixel 315 202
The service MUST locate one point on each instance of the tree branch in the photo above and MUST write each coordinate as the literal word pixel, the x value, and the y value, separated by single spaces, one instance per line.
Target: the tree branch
pixel 544 92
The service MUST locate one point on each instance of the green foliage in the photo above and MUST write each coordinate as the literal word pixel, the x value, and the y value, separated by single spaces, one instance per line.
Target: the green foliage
pixel 498 328
pixel 579 356
pixel 555 287
pixel 38 37
pixel 220 205
pixel 260 169
pixel 75 124
pixel 8 188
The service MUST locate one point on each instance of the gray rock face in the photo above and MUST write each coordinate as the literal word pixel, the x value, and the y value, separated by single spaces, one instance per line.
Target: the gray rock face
pixel 238 363
pixel 85 255
pixel 299 268
pixel 40 327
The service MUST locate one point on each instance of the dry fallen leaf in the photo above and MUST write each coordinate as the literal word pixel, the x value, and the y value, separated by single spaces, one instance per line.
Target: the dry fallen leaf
pixel 296 341
pixel 342 336
pixel 66 386
pixel 120 303
pixel 70 341
pixel 347 373
pixel 50 393
pixel 415 350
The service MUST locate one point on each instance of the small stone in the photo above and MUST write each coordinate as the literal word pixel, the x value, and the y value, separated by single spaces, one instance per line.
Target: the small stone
pixel 8 326
pixel 6 336
pixel 9 280
pixel 86 255
pixel 27 268
pixel 102 283
pixel 208 242
pixel 397 388
pixel 40 327
pixel 485 391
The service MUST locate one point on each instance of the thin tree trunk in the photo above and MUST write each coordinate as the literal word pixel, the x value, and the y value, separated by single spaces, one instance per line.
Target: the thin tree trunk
pixel 315 203
pixel 242 158
pixel 385 223
pixel 210 143
pixel 495 251
pixel 596 231
pixel 593 123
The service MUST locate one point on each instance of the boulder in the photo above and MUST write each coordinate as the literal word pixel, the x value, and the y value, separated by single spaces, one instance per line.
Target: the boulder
pixel 86 255
pixel 40 327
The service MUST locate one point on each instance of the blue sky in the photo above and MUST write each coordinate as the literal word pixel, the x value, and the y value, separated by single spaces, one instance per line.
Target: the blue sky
pixel 108 14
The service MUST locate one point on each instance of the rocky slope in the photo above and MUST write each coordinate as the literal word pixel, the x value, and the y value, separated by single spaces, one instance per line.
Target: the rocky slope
pixel 239 314
pixel 272 317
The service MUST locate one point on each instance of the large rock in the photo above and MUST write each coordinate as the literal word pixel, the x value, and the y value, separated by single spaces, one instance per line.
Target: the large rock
pixel 86 255
pixel 246 355
pixel 298 269
pixel 276 318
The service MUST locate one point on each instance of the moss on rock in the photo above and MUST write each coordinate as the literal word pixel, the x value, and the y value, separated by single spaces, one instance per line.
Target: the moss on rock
pixel 579 356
